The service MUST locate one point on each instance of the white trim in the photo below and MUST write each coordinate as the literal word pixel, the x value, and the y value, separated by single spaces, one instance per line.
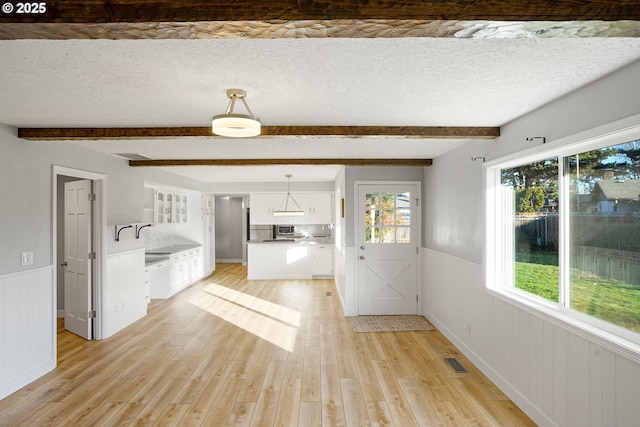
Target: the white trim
pixel 21 272
pixel 99 239
pixel 615 338
pixel 616 132
pixel 505 386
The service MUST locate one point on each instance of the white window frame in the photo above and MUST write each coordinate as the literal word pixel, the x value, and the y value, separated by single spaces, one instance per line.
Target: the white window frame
pixel 498 251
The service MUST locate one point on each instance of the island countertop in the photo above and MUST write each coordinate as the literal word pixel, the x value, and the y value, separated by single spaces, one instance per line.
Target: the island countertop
pixel 291 242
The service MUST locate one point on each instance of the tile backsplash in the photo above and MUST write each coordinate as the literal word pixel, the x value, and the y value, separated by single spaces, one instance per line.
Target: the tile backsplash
pixel 159 236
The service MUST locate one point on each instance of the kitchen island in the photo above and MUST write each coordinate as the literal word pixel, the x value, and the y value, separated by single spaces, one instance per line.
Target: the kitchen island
pixel 289 259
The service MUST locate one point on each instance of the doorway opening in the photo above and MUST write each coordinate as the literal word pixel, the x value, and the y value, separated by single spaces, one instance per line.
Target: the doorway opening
pixel 90 322
pixel 231 228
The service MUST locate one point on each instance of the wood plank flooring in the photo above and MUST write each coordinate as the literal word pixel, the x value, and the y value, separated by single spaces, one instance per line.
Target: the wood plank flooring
pixel 232 352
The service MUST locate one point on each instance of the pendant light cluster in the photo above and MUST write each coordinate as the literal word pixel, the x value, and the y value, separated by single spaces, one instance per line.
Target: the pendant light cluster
pixel 234 125
pixel 289 210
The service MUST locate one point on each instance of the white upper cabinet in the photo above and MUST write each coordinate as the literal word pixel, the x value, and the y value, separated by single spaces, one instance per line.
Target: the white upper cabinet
pixel 164 206
pixel 208 203
pixel 322 208
pixel 317 207
pixel 262 207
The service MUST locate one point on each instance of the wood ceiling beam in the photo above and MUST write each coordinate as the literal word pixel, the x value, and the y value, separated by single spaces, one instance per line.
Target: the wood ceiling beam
pixel 99 11
pixel 358 132
pixel 270 162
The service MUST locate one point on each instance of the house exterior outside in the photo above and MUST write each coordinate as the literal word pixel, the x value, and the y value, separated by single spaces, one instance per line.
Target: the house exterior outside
pixel 617 196
pixel 558 373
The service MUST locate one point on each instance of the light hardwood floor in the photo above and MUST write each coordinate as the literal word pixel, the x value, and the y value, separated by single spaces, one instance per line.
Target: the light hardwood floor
pixel 233 352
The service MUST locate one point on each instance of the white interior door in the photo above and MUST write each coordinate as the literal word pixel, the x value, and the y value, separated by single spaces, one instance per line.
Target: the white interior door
pixel 77 259
pixel 388 241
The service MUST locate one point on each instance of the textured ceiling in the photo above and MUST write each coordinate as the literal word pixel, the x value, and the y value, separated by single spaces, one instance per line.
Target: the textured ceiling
pixel 393 82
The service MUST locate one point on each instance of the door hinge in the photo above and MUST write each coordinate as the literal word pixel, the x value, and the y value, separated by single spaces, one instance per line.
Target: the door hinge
pixel 91 255
pixel 417 250
pixel 417 201
pixel 92 197
pixel 416 297
pixel 92 314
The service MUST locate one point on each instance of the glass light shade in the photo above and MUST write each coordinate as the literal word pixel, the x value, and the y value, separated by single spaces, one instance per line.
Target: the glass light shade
pixel 235 125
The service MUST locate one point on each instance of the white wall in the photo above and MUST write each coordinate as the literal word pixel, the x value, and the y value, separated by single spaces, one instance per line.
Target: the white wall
pixel 28 301
pixel 556 374
pixel 27 322
pixel 125 292
pixel 339 233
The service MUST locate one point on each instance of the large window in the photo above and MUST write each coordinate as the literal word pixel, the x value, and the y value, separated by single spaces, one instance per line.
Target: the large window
pixel 567 231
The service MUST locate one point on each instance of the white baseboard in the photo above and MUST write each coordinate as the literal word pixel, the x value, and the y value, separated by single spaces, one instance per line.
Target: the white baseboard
pixel 523 403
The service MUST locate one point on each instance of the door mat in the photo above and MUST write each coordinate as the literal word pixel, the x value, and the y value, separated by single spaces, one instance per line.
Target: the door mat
pixel 389 323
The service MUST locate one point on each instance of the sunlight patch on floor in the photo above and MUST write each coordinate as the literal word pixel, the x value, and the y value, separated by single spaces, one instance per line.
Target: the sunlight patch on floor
pixel 264 319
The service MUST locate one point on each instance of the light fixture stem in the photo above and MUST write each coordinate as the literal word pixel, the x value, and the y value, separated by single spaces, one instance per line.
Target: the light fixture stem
pixel 247 107
pixel 232 103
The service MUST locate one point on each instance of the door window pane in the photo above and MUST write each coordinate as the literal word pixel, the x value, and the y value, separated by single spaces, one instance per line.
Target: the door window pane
pixel 403 217
pixel 531 194
pixel 403 200
pixel 604 277
pixel 388 217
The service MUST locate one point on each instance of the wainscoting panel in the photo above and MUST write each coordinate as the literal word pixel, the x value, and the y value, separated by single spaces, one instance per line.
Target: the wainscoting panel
pixel 558 377
pixel 27 328
pixel 124 291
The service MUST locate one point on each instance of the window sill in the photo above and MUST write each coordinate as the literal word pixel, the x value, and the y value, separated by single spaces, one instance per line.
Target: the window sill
pixel 549 313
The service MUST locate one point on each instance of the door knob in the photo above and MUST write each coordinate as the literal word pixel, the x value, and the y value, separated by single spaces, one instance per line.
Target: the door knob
pixel 64 264
pixel 362 247
pixel 361 256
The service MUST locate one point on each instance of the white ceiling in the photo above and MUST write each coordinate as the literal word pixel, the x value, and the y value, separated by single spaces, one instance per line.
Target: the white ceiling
pixel 389 82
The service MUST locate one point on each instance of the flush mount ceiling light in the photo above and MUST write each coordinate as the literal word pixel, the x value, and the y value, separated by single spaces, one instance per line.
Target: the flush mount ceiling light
pixel 236 125
pixel 285 210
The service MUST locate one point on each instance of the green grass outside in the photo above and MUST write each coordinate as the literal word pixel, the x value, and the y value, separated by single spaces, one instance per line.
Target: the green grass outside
pixel 610 300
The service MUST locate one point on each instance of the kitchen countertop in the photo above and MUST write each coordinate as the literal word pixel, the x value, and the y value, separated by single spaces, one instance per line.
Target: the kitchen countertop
pixel 170 250
pixel 294 242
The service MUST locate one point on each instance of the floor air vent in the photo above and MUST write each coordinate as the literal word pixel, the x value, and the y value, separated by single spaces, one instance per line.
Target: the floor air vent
pixel 327 294
pixel 453 362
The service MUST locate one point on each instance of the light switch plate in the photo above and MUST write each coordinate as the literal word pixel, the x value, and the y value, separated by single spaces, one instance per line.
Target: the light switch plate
pixel 26 258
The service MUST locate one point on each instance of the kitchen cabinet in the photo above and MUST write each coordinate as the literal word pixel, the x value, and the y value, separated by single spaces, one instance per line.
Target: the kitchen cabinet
pixel 278 261
pixel 208 203
pixel 289 260
pixel 262 207
pixel 194 260
pixel 182 269
pixel 321 208
pixel 322 261
pixel 162 206
pixel 179 276
pixel 318 208
pixel 180 207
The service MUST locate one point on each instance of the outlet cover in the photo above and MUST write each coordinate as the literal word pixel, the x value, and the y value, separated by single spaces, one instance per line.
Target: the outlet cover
pixel 26 258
